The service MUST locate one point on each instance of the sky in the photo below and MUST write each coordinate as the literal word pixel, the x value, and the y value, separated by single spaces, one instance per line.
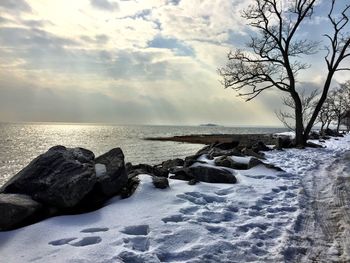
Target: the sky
pixel 131 62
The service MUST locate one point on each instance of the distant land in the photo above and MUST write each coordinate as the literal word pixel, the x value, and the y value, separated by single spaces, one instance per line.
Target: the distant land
pixel 209 125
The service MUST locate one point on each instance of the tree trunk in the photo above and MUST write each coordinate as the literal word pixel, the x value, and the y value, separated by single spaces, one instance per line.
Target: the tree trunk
pixel 338 124
pixel 299 126
pixel 319 105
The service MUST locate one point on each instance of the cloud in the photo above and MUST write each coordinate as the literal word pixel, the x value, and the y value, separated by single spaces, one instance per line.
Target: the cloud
pixel 105 5
pixel 15 6
pixel 179 47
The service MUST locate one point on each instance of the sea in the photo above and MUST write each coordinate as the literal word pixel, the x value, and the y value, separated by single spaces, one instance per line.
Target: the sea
pixel 22 142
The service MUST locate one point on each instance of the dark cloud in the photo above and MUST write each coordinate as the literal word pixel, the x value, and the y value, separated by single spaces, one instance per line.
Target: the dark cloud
pixel 15 6
pixel 104 5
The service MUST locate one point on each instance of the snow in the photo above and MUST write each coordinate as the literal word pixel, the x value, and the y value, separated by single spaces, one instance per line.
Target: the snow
pixel 100 169
pixel 251 221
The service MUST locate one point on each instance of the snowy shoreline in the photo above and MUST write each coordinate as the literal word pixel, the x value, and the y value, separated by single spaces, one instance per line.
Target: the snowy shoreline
pixel 252 221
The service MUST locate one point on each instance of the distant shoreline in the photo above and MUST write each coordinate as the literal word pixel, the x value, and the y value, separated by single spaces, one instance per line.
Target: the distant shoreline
pixel 244 139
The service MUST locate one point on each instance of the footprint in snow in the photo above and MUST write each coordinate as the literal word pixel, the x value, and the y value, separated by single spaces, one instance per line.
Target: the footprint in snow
pixel 137 230
pixel 62 241
pixel 86 241
pixel 94 230
pixel 137 237
pixel 173 219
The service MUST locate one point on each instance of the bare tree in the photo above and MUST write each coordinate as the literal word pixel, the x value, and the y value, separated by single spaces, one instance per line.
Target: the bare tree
pixel 275 51
pixel 338 104
pixel 288 117
pixel 325 116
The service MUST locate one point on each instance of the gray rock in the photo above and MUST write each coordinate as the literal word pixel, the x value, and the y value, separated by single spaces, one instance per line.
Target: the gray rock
pixel 115 177
pixel 172 163
pixel 226 145
pixel 254 162
pixel 250 152
pixel 204 174
pixel 17 210
pixel 60 177
pixel 160 182
pixel 212 175
pixel 226 161
pixel 182 174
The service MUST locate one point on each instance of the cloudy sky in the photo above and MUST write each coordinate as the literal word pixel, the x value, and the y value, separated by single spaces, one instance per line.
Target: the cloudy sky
pixel 129 61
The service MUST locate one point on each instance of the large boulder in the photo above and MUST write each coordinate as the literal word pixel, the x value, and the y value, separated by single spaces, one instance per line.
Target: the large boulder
pixel 111 172
pixel 212 175
pixel 17 210
pixel 61 177
pixel 226 161
pixel 204 174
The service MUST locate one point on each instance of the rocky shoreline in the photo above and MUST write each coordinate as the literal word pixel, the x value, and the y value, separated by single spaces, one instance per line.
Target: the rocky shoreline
pixel 72 181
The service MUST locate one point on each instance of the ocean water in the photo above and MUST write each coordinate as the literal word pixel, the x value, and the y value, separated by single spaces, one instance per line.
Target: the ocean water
pixel 20 143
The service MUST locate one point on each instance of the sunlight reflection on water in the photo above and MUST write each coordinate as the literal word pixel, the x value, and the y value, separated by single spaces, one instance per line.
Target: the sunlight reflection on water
pixel 20 143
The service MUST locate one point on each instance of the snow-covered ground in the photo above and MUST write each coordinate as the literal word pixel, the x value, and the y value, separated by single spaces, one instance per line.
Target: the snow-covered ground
pixel 267 216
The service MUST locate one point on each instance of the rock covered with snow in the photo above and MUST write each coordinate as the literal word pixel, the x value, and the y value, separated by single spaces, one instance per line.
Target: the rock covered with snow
pixel 61 177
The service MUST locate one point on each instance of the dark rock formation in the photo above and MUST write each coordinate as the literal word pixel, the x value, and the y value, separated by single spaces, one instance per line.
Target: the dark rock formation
pixel 212 175
pixel 114 178
pixel 204 174
pixel 226 145
pixel 172 163
pixel 284 142
pixel 17 210
pixel 60 177
pixel 226 161
pixel 160 182
pixel 260 146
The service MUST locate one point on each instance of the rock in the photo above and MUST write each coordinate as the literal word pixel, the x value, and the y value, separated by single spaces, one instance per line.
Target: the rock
pixel 226 161
pixel 115 177
pixel 17 210
pixel 212 151
pixel 250 152
pixel 172 163
pixel 189 160
pixel 192 182
pixel 204 150
pixel 204 174
pixel 260 146
pixel 61 177
pixel 226 145
pixel 254 162
pixel 330 132
pixel 156 170
pixel 212 175
pixel 160 182
pixel 182 174
pixel 314 135
pixel 283 142
pixel 130 187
